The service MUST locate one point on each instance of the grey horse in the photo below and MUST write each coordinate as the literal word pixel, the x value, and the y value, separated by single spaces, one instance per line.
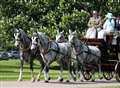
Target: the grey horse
pixel 86 55
pixel 52 51
pixel 23 42
pixel 60 38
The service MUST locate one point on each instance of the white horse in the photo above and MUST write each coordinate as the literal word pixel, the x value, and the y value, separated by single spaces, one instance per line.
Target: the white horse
pixel 52 51
pixel 86 55
pixel 23 42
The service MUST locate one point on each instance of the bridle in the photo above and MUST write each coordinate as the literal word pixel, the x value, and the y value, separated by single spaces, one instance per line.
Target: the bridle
pixel 20 45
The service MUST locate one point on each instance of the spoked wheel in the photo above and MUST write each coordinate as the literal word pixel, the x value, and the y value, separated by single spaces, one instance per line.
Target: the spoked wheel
pixel 117 71
pixel 108 75
pixel 87 75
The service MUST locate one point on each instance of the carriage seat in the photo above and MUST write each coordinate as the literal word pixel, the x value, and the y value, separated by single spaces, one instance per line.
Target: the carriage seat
pixel 93 41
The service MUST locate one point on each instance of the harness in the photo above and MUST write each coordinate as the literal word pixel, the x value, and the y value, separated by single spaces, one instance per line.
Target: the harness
pixel 48 49
pixel 25 50
pixel 88 51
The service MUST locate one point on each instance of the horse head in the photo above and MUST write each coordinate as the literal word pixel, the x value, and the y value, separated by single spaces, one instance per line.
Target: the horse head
pixel 60 37
pixel 39 39
pixel 21 38
pixel 72 36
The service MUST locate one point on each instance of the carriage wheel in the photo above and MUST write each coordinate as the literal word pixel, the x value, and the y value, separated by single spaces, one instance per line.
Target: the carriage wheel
pixel 117 71
pixel 108 75
pixel 87 75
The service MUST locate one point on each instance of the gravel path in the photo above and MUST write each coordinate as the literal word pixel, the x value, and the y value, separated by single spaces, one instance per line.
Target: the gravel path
pixel 55 84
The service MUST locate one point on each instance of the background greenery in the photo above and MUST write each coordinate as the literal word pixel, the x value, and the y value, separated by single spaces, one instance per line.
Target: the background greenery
pixel 49 16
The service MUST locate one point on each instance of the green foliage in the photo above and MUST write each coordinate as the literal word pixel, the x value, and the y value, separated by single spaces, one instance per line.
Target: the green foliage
pixel 48 16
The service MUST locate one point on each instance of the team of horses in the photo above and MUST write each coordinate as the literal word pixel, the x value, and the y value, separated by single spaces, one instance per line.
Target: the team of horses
pixel 69 52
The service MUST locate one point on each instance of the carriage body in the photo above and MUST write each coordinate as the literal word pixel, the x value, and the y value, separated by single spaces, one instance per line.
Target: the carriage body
pixel 110 60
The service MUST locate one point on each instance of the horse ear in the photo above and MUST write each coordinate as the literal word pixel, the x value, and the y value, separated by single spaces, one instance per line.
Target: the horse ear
pixel 70 31
pixel 16 30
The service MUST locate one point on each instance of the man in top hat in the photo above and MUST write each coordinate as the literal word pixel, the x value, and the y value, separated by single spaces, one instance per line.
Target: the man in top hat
pixel 94 25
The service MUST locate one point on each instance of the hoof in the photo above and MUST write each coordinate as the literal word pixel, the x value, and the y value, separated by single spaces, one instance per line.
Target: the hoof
pixel 49 78
pixel 32 80
pixel 61 80
pixel 67 81
pixel 74 79
pixel 101 78
pixel 93 80
pixel 46 81
pixel 37 80
pixel 82 80
pixel 19 80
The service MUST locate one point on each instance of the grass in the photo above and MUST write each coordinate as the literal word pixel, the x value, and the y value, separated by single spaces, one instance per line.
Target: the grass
pixel 9 70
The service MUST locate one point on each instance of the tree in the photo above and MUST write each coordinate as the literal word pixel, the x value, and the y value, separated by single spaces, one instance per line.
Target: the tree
pixel 48 16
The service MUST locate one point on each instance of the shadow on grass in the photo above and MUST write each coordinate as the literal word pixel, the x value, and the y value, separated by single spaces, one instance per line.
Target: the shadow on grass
pixel 34 66
pixel 86 82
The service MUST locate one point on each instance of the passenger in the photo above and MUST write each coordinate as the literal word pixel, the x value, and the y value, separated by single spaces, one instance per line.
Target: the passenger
pixel 108 26
pixel 94 25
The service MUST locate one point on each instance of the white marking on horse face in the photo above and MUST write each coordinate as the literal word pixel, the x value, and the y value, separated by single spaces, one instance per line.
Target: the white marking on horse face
pixel 60 37
pixel 34 40
pixel 34 43
pixel 70 38
pixel 17 39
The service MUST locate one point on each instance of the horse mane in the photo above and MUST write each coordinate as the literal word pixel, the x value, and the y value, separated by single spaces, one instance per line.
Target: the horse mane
pixel 26 39
pixel 43 36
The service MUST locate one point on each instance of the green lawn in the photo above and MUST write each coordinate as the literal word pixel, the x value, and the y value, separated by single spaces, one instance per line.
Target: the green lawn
pixel 9 70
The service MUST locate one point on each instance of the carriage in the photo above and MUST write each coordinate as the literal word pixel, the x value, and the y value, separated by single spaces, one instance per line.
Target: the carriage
pixel 110 61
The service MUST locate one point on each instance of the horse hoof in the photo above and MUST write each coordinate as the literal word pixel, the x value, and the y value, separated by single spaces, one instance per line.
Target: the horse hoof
pixel 46 81
pixel 74 79
pixel 101 78
pixel 61 80
pixel 37 80
pixel 19 80
pixel 49 78
pixel 93 80
pixel 67 81
pixel 82 80
pixel 33 80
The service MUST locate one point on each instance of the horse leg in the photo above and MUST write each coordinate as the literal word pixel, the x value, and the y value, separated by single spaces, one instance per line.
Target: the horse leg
pixel 81 74
pixel 70 71
pixel 60 78
pixel 93 76
pixel 40 72
pixel 100 71
pixel 21 70
pixel 46 73
pixel 31 69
